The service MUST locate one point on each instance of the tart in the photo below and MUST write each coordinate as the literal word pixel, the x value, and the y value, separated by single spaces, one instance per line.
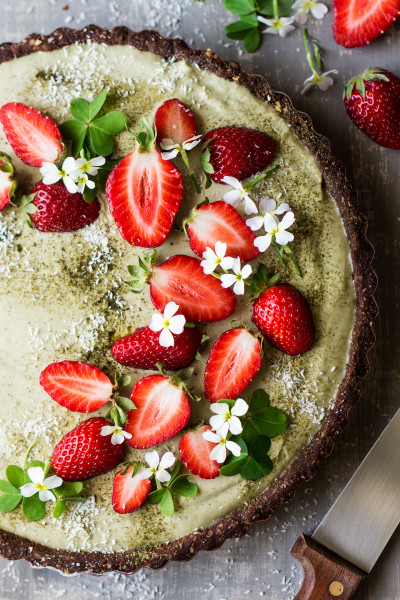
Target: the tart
pixel 63 297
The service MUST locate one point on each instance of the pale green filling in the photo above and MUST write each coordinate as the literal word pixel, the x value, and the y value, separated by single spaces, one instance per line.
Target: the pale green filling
pixel 62 296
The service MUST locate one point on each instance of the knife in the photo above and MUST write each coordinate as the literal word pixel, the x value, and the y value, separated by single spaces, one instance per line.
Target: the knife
pixel 345 546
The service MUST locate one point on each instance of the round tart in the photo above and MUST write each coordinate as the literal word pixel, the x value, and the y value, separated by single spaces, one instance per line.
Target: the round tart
pixel 64 297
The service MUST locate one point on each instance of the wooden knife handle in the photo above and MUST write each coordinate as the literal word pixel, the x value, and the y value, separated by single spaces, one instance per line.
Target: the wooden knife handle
pixel 327 576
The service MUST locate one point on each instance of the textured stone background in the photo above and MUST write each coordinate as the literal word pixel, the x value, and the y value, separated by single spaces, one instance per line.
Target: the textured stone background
pixel 260 564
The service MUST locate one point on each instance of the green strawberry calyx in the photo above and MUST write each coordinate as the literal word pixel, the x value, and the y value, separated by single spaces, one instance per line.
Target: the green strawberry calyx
pixel 358 83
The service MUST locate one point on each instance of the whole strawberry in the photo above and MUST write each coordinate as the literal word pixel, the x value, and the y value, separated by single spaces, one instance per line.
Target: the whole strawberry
pixel 84 453
pixel 283 316
pixel 372 101
pixel 238 152
pixel 142 349
pixel 51 208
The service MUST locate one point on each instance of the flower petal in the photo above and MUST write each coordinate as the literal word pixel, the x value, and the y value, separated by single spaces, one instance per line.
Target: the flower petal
pixel 246 271
pixel 250 207
pixel 166 338
pixel 144 474
pixel 284 237
pixel 162 475
pixel 52 482
pixel 263 242
pixel 287 221
pixel 282 208
pixel 226 263
pixel 270 223
pixel 223 429
pixel 168 144
pixel 319 10
pixel 211 436
pixel 28 490
pixel 117 438
pixel 216 422
pixel 167 460
pixel 36 474
pixel 208 266
pixel 152 459
pixel 98 161
pixel 192 142
pixel 169 155
pixel 227 280
pixel 255 223
pixel 157 322
pixel 107 430
pixel 69 164
pixel 45 495
pixel 219 408
pixel 220 249
pixel 233 198
pixel 177 324
pixel 235 183
pixel 170 309
pixel 233 447
pixel 209 254
pixel 238 288
pixel 235 425
pixel 70 185
pixel 218 453
pixel 240 408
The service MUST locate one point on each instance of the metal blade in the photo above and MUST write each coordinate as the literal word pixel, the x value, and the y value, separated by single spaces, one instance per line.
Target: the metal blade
pixel 364 517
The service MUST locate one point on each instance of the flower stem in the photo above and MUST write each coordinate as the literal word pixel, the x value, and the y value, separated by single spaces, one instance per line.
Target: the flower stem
pixel 28 453
pixel 292 258
pixel 308 53
pixel 187 164
pixel 275 6
pixel 260 178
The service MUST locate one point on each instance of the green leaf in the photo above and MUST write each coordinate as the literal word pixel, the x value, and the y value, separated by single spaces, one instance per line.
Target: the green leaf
pixel 252 40
pixel 75 131
pixel 16 476
pixel 235 31
pixel 89 195
pixel 69 489
pixel 175 470
pixel 97 104
pixel 8 488
pixel 9 501
pixel 156 496
pixel 34 509
pixel 112 123
pixel 103 143
pixel 122 380
pixel 79 109
pixel 125 403
pixel 263 419
pixel 234 464
pixel 239 7
pixel 259 452
pixel 167 504
pixel 59 509
pixel 183 487
pixel 267 7
pixel 104 172
pixel 36 463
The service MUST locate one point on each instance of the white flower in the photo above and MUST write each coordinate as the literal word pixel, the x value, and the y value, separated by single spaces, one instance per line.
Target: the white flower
pixel 51 174
pixel 167 323
pixel 175 149
pixel 304 7
pixel 235 196
pixel 40 484
pixel 323 81
pixel 237 280
pixel 214 259
pixel 281 26
pixel 157 467
pixel 219 452
pixel 226 419
pixel 83 181
pixel 118 434
pixel 266 207
pixel 89 167
pixel 275 229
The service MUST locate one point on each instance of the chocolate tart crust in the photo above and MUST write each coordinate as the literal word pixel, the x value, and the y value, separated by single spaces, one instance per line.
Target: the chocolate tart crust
pixel 305 465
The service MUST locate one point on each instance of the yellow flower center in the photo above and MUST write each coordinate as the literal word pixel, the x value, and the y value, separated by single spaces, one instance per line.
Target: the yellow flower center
pixel 41 487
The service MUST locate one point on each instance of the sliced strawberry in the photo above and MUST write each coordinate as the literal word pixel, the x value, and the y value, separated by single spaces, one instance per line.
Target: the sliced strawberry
pixel 220 222
pixel 142 349
pixel 200 297
pixel 84 453
pixel 359 22
pixel 129 492
pixel 7 182
pixel 78 386
pixel 234 360
pixel 174 121
pixel 144 193
pixel 238 152
pixel 34 137
pixel 162 410
pixel 195 454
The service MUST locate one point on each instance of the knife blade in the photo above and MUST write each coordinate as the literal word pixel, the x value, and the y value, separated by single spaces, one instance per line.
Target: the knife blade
pixel 351 537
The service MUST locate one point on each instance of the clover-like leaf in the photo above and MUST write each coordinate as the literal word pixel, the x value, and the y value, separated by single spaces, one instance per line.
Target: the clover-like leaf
pixel 234 464
pixel 156 496
pixel 71 488
pixel 16 476
pixel 183 487
pixel 96 105
pixel 10 498
pixel 112 123
pixel 102 142
pixel 59 509
pixel 79 109
pixel 89 194
pixel 167 504
pixel 34 509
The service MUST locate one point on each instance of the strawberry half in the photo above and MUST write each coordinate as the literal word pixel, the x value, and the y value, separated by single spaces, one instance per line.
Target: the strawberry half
pixel 7 182
pixel 144 193
pixel 162 410
pixel 200 297
pixel 359 22
pixel 129 492
pixel 239 152
pixel 34 137
pixel 84 453
pixel 283 316
pixel 78 386
pixel 142 349
pixel 216 222
pixel 195 454
pixel 58 211
pixel 174 121
pixel 372 102
pixel 234 360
